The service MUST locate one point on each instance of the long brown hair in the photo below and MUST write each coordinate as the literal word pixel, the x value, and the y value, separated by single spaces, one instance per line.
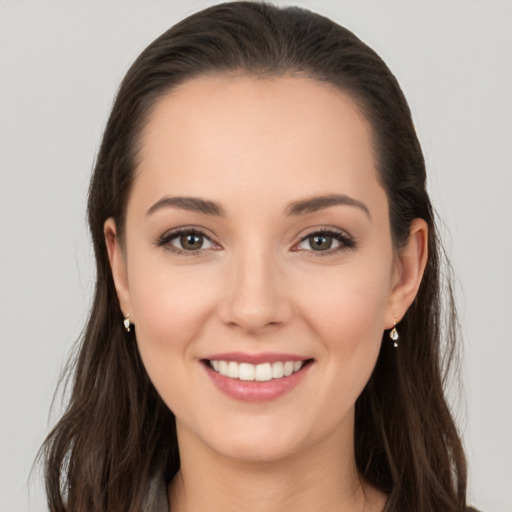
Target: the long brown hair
pixel 117 433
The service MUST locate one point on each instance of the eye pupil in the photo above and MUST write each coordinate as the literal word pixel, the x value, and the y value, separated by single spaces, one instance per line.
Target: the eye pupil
pixel 191 242
pixel 320 242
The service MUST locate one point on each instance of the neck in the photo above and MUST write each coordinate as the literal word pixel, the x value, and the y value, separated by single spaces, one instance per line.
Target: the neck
pixel 323 477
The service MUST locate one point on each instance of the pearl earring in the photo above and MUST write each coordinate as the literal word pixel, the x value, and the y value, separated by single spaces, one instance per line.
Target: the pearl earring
pixel 394 333
pixel 127 322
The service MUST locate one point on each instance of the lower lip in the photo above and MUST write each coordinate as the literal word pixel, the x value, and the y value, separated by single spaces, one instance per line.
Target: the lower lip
pixel 256 391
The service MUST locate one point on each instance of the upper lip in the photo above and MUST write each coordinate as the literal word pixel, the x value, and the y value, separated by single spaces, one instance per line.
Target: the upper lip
pixel 264 357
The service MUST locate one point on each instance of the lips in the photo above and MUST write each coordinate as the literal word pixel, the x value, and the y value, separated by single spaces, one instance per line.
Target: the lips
pixel 256 378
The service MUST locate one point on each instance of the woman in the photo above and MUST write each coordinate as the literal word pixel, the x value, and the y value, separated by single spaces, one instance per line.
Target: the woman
pixel 266 328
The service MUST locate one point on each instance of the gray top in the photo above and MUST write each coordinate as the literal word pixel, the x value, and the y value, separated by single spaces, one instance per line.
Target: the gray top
pixel 156 500
pixel 157 497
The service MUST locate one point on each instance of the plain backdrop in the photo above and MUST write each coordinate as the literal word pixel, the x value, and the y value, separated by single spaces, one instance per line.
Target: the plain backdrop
pixel 60 65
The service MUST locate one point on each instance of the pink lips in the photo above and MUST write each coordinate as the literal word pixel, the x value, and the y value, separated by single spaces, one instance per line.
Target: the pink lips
pixel 255 391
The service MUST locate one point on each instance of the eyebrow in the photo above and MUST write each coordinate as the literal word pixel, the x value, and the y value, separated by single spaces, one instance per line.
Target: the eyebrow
pixel 313 204
pixel 302 207
pixel 193 204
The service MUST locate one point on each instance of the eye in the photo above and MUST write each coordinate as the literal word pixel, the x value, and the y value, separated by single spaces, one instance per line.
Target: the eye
pixel 185 241
pixel 325 241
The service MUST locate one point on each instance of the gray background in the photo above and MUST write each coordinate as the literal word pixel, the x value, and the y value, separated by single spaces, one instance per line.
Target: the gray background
pixel 61 62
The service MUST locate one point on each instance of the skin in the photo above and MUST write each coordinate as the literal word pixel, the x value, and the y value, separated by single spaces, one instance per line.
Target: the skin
pixel 253 146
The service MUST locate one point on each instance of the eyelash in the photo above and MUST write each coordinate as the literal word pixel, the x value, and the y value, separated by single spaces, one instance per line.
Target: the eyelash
pixel 345 240
pixel 165 240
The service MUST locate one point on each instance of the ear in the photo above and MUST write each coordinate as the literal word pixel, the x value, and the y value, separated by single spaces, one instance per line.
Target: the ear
pixel 411 262
pixel 116 256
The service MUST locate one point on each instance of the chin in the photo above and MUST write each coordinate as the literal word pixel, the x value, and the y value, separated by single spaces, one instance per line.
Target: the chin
pixel 253 441
pixel 249 451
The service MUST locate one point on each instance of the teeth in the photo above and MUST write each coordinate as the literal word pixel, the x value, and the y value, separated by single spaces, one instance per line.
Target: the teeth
pixel 247 371
pixel 288 368
pixel 277 370
pixel 263 372
pixel 232 370
pixel 223 368
pixel 259 372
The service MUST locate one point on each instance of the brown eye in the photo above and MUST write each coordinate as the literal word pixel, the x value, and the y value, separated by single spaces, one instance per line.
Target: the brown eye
pixel 320 242
pixel 325 241
pixel 191 241
pixel 185 242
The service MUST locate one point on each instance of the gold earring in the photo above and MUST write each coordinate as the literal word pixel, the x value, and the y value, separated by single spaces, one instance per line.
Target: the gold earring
pixel 394 333
pixel 127 322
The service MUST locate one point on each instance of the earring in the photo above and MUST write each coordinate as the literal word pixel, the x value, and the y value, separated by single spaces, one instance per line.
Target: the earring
pixel 127 322
pixel 394 334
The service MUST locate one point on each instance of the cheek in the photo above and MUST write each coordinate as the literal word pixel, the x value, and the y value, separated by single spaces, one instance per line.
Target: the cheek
pixel 166 321
pixel 168 303
pixel 352 306
pixel 170 307
pixel 349 317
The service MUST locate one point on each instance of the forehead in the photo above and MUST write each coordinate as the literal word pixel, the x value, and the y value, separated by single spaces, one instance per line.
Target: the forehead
pixel 240 133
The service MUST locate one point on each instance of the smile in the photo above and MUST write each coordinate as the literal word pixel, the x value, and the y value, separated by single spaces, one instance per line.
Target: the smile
pixel 256 372
pixel 256 378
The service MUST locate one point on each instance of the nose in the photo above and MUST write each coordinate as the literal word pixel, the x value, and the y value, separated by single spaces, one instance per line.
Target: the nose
pixel 256 299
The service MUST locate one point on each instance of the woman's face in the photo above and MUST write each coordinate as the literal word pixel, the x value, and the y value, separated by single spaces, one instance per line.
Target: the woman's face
pixel 257 236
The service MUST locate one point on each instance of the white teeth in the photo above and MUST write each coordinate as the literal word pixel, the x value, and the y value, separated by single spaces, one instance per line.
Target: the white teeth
pixel 263 372
pixel 233 370
pixel 223 367
pixel 277 370
pixel 259 372
pixel 246 371
pixel 288 368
